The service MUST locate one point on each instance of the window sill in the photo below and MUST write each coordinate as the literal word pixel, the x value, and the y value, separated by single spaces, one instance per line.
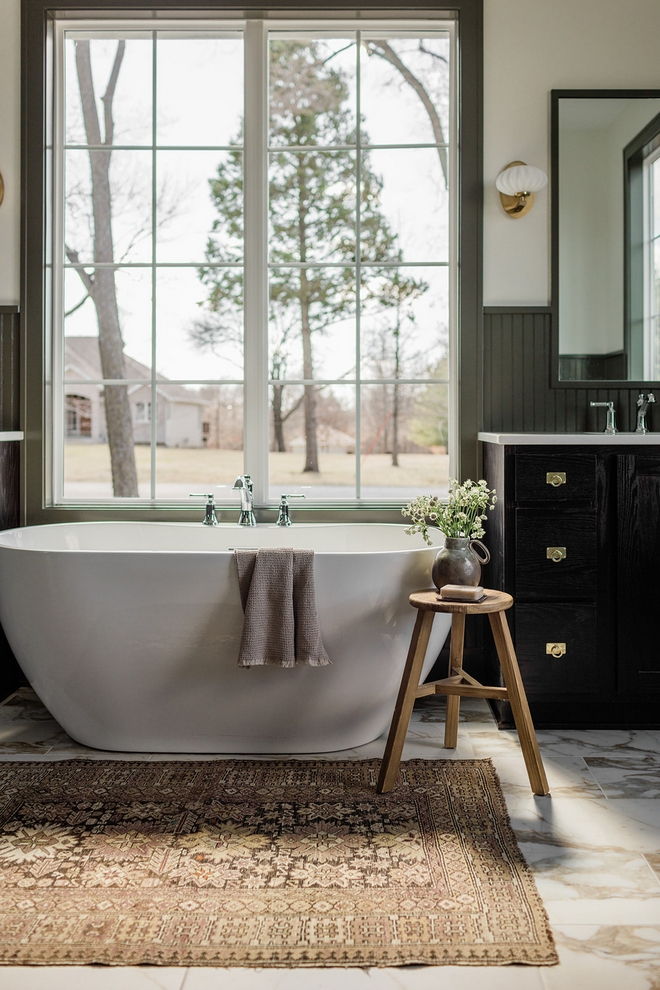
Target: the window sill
pixel 355 512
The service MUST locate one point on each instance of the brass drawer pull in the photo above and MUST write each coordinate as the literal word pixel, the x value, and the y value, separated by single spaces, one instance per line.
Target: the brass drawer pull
pixel 555 478
pixel 555 554
pixel 555 649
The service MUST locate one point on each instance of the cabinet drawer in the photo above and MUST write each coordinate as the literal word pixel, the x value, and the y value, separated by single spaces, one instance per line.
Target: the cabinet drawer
pixel 574 626
pixel 538 576
pixel 536 472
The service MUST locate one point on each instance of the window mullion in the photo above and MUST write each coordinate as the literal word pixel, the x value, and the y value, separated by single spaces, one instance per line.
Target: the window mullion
pixel 255 283
pixel 358 267
pixel 55 409
pixel 154 270
pixel 454 428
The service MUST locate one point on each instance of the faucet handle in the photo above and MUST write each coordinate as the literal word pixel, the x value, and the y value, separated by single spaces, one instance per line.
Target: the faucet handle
pixel 283 517
pixel 610 426
pixel 643 403
pixel 210 516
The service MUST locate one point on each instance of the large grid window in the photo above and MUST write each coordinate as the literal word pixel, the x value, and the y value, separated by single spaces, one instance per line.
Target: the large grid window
pixel 254 261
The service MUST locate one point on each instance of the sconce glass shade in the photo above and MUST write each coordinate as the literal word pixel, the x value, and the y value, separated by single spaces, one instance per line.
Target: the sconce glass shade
pixel 517 184
pixel 518 179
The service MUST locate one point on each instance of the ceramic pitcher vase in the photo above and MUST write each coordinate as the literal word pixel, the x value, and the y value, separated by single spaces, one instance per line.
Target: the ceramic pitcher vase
pixel 458 563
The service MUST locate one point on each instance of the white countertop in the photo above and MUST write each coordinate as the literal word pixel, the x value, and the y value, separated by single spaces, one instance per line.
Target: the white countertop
pixel 574 439
pixel 11 435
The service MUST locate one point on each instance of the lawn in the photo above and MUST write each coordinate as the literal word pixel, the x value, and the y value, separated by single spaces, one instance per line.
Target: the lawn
pixel 205 468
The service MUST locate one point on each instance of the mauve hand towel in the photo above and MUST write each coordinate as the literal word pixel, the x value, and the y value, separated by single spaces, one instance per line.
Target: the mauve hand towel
pixel 281 625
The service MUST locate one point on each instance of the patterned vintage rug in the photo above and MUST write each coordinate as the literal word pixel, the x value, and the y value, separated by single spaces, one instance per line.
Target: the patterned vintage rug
pixel 255 863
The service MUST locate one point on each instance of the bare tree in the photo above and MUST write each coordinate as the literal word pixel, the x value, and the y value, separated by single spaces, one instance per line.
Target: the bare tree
pixel 278 365
pixel 429 422
pixel 100 285
pixel 384 50
pixel 388 344
pixel 218 332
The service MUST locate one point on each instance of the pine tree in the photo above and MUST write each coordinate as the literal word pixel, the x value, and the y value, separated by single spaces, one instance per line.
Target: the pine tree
pixel 313 219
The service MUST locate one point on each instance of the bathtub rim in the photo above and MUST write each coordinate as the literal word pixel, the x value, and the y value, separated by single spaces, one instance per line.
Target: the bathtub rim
pixel 178 524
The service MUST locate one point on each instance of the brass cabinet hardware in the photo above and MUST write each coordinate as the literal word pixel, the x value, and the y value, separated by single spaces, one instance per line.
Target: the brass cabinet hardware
pixel 555 554
pixel 555 649
pixel 555 478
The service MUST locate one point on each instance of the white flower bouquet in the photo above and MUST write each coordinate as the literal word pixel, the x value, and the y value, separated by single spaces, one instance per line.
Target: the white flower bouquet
pixel 460 516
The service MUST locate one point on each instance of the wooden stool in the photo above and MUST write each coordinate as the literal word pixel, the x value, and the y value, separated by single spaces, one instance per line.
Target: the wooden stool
pixel 459 684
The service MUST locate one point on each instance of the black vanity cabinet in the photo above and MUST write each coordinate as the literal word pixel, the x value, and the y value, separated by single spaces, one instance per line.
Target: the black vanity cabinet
pixel 638 573
pixel 575 538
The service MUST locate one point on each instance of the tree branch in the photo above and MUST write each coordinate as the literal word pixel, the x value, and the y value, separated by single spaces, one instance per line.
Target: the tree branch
pixel 338 52
pixel 427 51
pixel 293 408
pixel 87 280
pixel 109 95
pixel 384 50
pixel 73 309
pixel 87 98
pixel 298 403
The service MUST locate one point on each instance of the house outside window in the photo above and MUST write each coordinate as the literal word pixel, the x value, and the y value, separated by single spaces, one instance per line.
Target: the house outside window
pixel 142 412
pixel 250 242
pixel 78 416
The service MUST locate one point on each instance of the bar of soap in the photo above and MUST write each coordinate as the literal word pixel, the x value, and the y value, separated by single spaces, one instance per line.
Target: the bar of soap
pixel 461 593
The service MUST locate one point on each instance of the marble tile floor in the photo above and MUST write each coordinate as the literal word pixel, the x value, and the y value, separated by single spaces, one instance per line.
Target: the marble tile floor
pixel 594 847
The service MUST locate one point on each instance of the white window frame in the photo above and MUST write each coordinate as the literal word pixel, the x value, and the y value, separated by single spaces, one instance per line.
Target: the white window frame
pixel 256 310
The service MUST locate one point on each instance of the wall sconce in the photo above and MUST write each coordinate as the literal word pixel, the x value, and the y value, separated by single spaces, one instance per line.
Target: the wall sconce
pixel 517 184
pixel 2 189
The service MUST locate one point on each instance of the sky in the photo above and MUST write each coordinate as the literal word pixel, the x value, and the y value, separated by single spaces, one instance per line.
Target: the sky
pixel 199 96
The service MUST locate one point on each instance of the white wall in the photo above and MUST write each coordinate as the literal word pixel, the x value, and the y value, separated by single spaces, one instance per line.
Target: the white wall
pixel 591 229
pixel 10 98
pixel 184 425
pixel 531 47
pixel 591 308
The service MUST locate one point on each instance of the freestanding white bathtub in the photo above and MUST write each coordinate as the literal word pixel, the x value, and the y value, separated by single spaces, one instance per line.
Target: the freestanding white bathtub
pixel 129 633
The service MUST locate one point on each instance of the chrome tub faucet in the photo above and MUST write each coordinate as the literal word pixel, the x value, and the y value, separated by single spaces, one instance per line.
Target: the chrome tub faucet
pixel 643 403
pixel 210 518
pixel 243 484
pixel 284 519
pixel 610 426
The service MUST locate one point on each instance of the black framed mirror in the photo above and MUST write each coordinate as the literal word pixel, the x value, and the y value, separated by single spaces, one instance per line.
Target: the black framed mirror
pixel 605 175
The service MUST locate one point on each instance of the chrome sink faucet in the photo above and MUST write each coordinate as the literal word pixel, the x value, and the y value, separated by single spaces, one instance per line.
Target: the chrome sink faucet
pixel 210 518
pixel 643 403
pixel 243 484
pixel 610 426
pixel 284 519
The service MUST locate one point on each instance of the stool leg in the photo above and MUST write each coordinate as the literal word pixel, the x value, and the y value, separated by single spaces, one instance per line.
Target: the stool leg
pixel 455 661
pixel 518 700
pixel 405 701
